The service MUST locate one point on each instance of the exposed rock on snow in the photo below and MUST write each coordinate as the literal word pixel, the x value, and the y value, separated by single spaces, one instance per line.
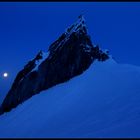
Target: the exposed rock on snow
pixel 70 55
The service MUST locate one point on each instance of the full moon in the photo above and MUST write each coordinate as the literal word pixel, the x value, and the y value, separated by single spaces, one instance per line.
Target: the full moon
pixel 5 74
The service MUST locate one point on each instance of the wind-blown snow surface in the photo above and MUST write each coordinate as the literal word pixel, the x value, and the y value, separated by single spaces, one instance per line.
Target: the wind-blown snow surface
pixel 102 102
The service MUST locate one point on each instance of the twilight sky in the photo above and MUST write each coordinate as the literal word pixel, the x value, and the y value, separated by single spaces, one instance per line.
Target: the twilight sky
pixel 27 27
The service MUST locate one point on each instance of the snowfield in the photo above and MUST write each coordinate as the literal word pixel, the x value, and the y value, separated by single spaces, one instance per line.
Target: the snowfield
pixel 102 102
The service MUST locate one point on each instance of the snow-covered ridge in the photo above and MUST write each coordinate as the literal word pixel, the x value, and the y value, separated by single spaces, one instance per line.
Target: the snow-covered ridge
pixel 102 102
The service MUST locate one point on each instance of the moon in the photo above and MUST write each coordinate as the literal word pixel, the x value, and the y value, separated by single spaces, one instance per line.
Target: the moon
pixel 5 75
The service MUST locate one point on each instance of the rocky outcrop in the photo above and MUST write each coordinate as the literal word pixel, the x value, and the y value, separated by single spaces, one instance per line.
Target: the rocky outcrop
pixel 70 55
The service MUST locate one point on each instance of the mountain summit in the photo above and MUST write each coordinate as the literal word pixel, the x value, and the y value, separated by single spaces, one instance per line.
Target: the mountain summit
pixel 70 55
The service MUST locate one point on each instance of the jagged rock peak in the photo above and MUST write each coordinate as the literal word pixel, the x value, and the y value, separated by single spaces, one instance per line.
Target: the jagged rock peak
pixel 69 56
pixel 79 25
pixel 79 28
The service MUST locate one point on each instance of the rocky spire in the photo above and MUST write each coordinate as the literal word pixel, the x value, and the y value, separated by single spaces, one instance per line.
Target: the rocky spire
pixel 79 28
pixel 70 55
pixel 79 25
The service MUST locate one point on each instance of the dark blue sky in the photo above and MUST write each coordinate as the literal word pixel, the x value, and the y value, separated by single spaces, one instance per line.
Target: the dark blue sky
pixel 26 28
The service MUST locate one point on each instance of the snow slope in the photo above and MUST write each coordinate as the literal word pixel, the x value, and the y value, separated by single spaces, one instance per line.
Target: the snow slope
pixel 102 102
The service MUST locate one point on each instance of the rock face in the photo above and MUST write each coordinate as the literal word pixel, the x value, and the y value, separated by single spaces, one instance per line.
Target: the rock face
pixel 70 55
